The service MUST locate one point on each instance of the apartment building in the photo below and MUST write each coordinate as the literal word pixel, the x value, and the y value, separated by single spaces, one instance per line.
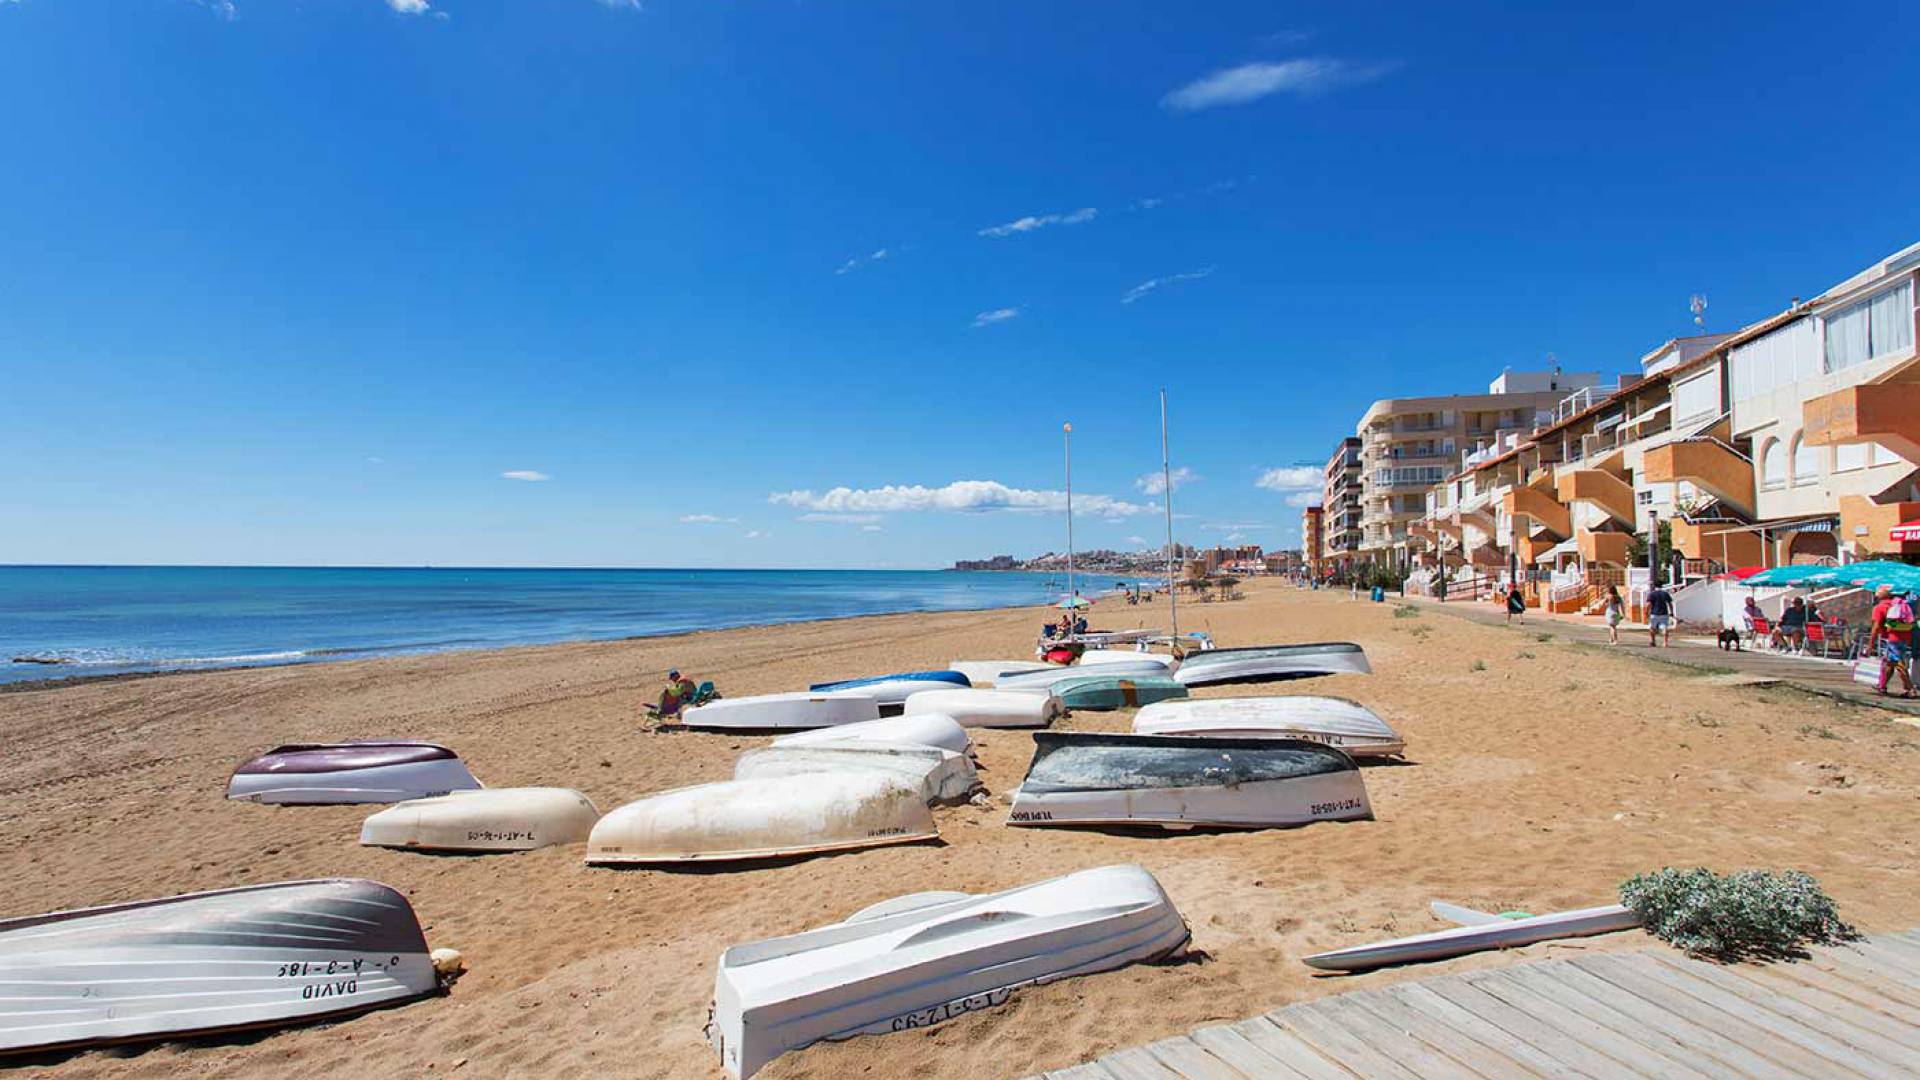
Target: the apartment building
pixel 1311 537
pixel 1340 508
pixel 1408 445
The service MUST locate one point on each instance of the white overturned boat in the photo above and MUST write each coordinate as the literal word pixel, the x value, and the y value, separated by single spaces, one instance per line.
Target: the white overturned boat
pixel 1334 721
pixel 367 771
pixel 1088 778
pixel 493 819
pixel 758 819
pixel 988 672
pixel 1496 933
pixel 1271 663
pixel 913 729
pixel 1101 639
pixel 889 695
pixel 777 712
pixel 1094 657
pixel 1044 680
pixel 205 962
pixel 988 708
pixel 941 776
pixel 916 961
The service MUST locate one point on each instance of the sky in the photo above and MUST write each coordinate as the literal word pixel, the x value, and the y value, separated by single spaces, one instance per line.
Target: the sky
pixel 777 283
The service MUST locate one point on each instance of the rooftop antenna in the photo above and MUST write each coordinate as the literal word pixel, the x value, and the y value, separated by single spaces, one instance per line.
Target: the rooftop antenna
pixel 1697 303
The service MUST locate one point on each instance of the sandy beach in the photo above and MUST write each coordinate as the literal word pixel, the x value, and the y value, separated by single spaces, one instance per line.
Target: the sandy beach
pixel 1540 774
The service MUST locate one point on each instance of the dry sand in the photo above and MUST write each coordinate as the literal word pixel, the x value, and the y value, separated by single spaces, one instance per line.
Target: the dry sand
pixel 1540 775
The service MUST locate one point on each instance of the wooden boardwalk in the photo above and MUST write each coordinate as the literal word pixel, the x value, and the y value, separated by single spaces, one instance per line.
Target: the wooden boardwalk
pixel 1851 1011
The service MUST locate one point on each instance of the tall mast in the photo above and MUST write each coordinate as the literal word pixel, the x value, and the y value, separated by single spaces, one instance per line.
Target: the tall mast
pixel 1066 433
pixel 1166 481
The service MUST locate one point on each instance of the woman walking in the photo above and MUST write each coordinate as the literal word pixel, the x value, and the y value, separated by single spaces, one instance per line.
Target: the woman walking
pixel 1616 614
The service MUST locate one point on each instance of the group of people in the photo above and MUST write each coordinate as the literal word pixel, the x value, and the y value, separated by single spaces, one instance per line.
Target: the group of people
pixel 1791 632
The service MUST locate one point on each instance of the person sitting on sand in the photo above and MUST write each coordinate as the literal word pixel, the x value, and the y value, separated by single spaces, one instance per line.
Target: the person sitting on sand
pixel 679 692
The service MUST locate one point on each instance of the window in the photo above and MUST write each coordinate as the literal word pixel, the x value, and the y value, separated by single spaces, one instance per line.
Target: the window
pixel 1849 456
pixel 1773 465
pixel 1777 359
pixel 1698 396
pixel 1806 461
pixel 1881 325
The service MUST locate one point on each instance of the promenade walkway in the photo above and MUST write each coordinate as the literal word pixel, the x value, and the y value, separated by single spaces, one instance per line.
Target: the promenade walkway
pixel 1833 678
pixel 1850 1011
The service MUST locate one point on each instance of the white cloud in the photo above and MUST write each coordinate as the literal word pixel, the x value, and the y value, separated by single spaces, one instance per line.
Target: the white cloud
pixel 858 261
pixel 1040 221
pixel 1156 483
pixel 1303 498
pixel 1251 82
pixel 756 534
pixel 409 7
pixel 376 461
pixel 961 496
pixel 997 315
pixel 622 5
pixel 707 519
pixel 842 519
pixel 1151 284
pixel 1137 541
pixel 1290 478
pixel 1237 538
pixel 525 474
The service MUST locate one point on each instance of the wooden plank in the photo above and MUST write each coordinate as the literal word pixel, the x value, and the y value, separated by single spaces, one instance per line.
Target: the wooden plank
pixel 1818 1031
pixel 1334 1041
pixel 1862 968
pixel 1480 1058
pixel 1855 1004
pixel 1733 1040
pixel 1904 954
pixel 1890 1041
pixel 1189 1059
pixel 1233 1048
pixel 1643 1050
pixel 1417 1056
pixel 1134 1063
pixel 1661 1019
pixel 1901 1005
pixel 1090 1070
pixel 1286 1046
pixel 1515 1034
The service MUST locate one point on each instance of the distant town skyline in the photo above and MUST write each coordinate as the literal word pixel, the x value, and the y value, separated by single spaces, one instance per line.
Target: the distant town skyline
pixel 585 283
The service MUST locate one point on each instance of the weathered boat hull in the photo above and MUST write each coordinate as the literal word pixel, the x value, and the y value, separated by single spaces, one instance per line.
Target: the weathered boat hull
pixel 988 708
pixel 917 961
pixel 494 819
pixel 941 776
pixel 739 820
pixel 781 712
pixel 206 962
pixel 1461 940
pixel 370 771
pixel 1044 679
pixel 988 672
pixel 953 678
pixel 1272 663
pixel 912 729
pixel 1348 725
pixel 1085 778
pixel 1105 693
pixel 1097 657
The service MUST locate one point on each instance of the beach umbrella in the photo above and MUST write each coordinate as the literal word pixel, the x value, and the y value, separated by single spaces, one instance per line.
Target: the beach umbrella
pixel 1074 602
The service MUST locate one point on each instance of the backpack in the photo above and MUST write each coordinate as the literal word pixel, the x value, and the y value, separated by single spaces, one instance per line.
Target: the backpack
pixel 1899 614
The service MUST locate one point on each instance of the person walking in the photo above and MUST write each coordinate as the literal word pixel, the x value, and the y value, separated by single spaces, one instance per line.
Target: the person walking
pixel 1516 604
pixel 1892 636
pixel 1659 617
pixel 1616 614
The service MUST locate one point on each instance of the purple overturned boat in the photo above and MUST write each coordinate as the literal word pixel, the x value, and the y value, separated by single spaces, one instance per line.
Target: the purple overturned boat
pixel 367 771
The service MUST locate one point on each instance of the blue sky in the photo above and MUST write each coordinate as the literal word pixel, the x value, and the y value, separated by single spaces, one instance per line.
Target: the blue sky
pixel 311 281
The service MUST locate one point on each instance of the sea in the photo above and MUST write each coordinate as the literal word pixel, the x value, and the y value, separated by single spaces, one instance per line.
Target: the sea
pixel 64 621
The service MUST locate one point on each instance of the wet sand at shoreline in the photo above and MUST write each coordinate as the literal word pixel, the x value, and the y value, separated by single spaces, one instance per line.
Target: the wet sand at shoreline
pixel 1540 774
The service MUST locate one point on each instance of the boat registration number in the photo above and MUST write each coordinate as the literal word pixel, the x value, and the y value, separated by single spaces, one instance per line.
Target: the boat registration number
pixel 920 1018
pixel 1333 807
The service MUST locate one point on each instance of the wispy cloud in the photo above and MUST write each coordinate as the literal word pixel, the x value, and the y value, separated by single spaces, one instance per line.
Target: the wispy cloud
pixel 1290 478
pixel 756 534
pixel 858 261
pixel 707 519
pixel 1137 541
pixel 1151 284
pixel 1040 221
pixel 528 475
pixel 961 496
pixel 409 7
pixel 997 315
pixel 622 5
pixel 1233 526
pixel 841 519
pixel 1155 483
pixel 1304 498
pixel 1251 82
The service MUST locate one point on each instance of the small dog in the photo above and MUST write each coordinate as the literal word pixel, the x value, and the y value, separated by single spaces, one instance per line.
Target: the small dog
pixel 1730 641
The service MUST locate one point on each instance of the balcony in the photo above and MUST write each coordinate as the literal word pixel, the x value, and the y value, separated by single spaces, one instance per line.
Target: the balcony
pixel 1601 489
pixel 1604 548
pixel 1545 510
pixel 1724 542
pixel 1708 464
pixel 1886 413
pixel 1866 522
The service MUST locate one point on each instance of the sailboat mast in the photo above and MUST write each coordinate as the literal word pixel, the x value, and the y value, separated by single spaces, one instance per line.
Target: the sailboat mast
pixel 1066 433
pixel 1166 481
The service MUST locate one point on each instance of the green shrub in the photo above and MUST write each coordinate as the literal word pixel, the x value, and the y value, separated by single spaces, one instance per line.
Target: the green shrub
pixel 1750 915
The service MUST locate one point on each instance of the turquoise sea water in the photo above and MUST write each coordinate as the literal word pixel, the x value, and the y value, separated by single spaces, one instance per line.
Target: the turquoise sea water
pixel 108 619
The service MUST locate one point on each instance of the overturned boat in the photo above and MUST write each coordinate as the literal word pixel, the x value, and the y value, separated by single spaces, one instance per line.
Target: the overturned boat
pixel 915 961
pixel 781 712
pixel 1095 657
pixel 1085 778
pixel 941 776
pixel 1271 663
pixel 953 677
pixel 988 672
pixel 1486 932
pixel 366 771
pixel 1096 692
pixel 890 692
pixel 1334 721
pixel 988 708
pixel 913 729
pixel 207 962
pixel 1044 679
pixel 492 819
pixel 758 819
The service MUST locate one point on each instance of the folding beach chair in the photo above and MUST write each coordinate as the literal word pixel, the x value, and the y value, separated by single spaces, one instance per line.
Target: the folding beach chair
pixel 1759 633
pixel 1817 639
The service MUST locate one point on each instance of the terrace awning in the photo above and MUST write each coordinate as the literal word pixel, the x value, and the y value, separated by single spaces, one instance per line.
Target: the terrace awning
pixel 1909 533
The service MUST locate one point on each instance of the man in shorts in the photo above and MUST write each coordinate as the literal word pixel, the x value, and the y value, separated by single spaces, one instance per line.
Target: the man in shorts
pixel 1892 637
pixel 1659 617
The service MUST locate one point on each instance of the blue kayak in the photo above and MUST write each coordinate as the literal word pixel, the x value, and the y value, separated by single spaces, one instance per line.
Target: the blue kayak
pixel 952 677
